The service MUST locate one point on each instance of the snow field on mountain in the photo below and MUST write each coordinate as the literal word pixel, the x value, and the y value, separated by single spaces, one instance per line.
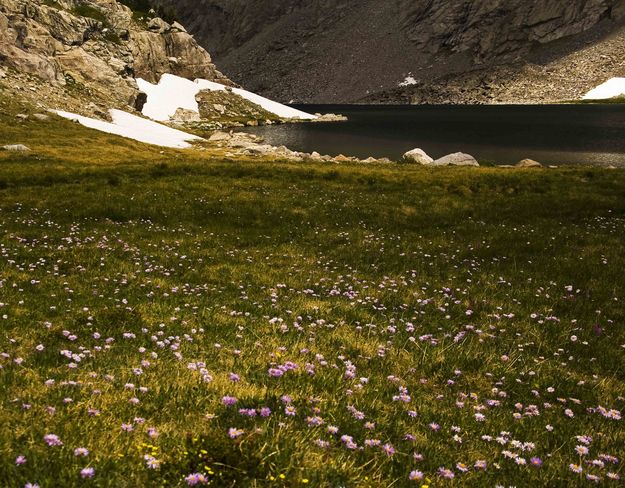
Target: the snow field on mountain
pixel 610 89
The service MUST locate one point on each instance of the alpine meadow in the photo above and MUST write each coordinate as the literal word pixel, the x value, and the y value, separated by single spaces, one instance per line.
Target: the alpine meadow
pixel 173 320
pixel 325 244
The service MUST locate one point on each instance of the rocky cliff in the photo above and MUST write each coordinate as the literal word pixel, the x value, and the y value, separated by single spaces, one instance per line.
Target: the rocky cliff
pixel 80 53
pixel 441 50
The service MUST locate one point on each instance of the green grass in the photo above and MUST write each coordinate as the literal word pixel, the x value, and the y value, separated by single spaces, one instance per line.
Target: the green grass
pixel 85 10
pixel 52 3
pixel 137 5
pixel 417 278
pixel 141 10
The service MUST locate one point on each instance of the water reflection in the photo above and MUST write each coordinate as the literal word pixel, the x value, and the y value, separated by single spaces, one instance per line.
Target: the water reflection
pixel 555 134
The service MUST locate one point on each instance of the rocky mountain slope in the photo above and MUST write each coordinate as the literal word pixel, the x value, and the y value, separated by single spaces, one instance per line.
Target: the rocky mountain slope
pixel 442 50
pixel 84 55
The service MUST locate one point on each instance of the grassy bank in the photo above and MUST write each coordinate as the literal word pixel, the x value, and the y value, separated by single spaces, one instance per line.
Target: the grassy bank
pixel 184 318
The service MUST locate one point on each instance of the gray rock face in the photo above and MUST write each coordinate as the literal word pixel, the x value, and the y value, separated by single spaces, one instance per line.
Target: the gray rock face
pixel 456 159
pixel 101 51
pixel 179 27
pixel 173 52
pixel 382 42
pixel 158 25
pixel 500 28
pixel 183 115
pixel 417 156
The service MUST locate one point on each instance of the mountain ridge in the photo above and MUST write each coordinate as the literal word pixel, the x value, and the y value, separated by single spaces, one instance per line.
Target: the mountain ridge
pixel 329 51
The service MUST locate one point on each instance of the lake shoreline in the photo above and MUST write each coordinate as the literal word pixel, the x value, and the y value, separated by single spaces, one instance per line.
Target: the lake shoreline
pixel 577 134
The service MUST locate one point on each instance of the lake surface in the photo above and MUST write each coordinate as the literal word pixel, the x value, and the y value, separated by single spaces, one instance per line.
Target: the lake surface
pixel 551 134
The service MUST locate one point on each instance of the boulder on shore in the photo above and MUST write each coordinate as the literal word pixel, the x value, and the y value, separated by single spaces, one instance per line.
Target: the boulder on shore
pixel 343 159
pixel 528 163
pixel 456 159
pixel 184 115
pixel 219 136
pixel 417 156
pixel 329 118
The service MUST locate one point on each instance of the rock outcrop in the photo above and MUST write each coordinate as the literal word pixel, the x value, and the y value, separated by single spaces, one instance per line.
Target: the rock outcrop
pixel 171 50
pixel 467 51
pixel 228 106
pixel 94 49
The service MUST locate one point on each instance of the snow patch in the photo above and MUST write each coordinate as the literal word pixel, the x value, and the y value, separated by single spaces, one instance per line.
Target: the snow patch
pixel 409 81
pixel 173 92
pixel 610 89
pixel 137 128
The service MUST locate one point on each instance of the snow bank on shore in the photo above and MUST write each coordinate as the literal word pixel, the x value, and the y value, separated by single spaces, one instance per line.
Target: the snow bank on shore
pixel 137 128
pixel 610 89
pixel 173 92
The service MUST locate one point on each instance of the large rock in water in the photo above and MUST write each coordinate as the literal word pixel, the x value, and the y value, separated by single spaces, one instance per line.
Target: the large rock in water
pixel 417 156
pixel 456 159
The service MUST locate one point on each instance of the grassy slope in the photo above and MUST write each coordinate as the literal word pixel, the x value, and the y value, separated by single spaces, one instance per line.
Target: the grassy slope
pixel 101 234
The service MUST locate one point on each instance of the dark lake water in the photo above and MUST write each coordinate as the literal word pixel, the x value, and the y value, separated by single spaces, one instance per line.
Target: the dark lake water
pixel 551 134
